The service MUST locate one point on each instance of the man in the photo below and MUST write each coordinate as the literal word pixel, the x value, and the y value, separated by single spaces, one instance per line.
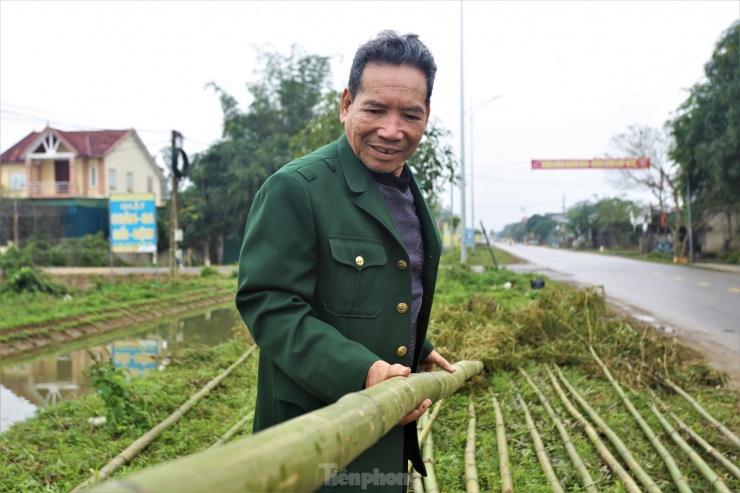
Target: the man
pixel 340 256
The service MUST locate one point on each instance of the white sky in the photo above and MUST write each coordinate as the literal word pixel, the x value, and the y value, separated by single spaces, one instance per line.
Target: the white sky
pixel 571 75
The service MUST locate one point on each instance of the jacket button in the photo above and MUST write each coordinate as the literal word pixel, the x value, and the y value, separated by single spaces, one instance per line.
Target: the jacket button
pixel 401 264
pixel 360 261
pixel 401 351
pixel 402 307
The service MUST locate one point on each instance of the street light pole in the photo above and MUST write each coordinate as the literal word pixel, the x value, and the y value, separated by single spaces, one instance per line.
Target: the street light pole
pixel 463 218
pixel 472 180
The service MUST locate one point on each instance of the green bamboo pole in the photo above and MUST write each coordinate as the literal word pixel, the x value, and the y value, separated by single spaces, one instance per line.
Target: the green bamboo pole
pixel 719 426
pixel 708 448
pixel 507 483
pixel 539 449
pixel 418 483
pixel 427 454
pixel 299 454
pixel 139 445
pixel 233 429
pixel 593 435
pixel 428 423
pixel 588 482
pixel 678 477
pixel 471 472
pixel 703 467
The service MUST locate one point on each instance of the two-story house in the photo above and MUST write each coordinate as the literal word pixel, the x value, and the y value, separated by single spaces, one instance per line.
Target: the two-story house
pixel 76 172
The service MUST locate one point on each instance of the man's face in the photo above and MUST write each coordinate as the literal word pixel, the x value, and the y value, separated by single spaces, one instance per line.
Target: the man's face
pixel 387 118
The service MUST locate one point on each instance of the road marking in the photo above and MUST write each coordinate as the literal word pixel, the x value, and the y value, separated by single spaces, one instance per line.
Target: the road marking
pixel 677 278
pixel 735 290
pixel 702 283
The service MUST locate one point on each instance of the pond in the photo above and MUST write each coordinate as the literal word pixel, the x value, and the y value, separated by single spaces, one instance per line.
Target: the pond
pixel 49 379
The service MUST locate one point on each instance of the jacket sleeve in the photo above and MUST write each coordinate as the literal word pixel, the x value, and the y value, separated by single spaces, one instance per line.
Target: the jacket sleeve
pixel 278 270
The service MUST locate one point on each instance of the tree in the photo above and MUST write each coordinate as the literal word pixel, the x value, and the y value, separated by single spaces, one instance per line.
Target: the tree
pixel 662 179
pixel 706 131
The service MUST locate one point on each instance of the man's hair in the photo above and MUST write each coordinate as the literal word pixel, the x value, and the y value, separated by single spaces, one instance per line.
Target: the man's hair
pixel 389 48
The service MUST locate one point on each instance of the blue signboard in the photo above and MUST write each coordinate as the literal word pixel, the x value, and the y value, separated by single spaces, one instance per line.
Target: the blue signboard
pixel 133 223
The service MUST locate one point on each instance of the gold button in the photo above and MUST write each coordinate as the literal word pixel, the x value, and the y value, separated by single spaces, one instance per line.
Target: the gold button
pixel 360 261
pixel 401 264
pixel 402 307
pixel 401 351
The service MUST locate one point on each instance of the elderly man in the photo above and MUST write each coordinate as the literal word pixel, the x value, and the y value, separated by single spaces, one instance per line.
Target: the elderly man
pixel 340 256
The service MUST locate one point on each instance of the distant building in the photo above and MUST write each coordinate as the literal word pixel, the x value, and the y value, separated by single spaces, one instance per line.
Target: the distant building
pixel 71 175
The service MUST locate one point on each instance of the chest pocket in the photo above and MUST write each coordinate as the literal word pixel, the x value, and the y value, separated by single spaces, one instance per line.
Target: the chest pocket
pixel 355 277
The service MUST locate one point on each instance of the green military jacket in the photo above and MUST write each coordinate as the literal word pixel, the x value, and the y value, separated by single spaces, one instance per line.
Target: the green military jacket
pixel 322 276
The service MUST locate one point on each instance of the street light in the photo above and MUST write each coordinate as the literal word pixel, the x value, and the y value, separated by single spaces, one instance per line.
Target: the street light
pixel 472 192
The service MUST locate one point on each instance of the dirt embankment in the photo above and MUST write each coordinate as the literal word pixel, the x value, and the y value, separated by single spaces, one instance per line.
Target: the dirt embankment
pixel 38 337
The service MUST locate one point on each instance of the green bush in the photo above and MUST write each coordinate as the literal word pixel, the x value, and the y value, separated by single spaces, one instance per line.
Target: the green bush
pixel 32 280
pixel 13 260
pixel 208 272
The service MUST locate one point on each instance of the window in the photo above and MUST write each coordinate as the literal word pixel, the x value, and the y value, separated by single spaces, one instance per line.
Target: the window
pixel 18 181
pixel 149 184
pixel 94 176
pixel 129 182
pixel 112 179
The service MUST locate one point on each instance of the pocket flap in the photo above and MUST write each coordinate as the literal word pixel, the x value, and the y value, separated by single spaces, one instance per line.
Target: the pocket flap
pixel 357 252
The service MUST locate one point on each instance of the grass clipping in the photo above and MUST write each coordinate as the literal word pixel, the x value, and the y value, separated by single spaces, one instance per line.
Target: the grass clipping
pixel 496 317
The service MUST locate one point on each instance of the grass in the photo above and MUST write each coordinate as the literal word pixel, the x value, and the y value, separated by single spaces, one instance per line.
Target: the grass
pixel 493 316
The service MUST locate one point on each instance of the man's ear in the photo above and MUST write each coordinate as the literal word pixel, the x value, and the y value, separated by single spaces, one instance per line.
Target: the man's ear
pixel 429 107
pixel 346 103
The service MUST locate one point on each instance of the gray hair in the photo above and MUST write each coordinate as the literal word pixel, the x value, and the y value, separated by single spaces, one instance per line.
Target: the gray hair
pixel 390 48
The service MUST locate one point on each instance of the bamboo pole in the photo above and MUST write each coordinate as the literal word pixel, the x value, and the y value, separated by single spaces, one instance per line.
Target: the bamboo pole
pixel 719 426
pixel 706 471
pixel 295 455
pixel 593 435
pixel 539 449
pixel 418 482
pixel 233 429
pixel 471 472
pixel 588 482
pixel 428 423
pixel 708 448
pixel 427 454
pixel 678 477
pixel 507 483
pixel 139 445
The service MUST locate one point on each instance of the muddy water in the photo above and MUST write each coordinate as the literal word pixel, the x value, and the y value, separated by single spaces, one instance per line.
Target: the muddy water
pixel 44 381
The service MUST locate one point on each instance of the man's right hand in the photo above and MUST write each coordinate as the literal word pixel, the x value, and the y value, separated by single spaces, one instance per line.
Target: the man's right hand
pixel 381 371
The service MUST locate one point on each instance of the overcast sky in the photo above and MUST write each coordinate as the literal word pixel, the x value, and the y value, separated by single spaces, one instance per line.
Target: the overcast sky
pixel 570 75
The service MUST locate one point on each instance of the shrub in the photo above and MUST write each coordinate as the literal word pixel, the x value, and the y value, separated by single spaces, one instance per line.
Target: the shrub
pixel 208 272
pixel 32 280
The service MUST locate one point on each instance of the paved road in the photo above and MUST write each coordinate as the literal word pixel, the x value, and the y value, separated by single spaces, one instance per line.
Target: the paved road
pixel 701 305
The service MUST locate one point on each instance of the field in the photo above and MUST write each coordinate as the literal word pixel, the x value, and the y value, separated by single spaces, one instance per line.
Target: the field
pixel 532 342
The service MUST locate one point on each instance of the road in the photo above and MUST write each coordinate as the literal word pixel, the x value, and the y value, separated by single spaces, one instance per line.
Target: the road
pixel 701 305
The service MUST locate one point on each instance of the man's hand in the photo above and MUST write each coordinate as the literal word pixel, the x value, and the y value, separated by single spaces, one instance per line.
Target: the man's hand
pixel 435 359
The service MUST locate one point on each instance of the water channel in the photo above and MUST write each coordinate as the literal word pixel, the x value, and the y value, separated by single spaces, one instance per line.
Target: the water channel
pixel 59 375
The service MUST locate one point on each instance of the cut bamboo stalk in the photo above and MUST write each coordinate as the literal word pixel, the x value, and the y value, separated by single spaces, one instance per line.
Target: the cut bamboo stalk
pixel 471 471
pixel 539 449
pixel 708 448
pixel 507 483
pixel 427 455
pixel 588 482
pixel 593 435
pixel 226 436
pixel 289 456
pixel 678 477
pixel 428 423
pixel 719 426
pixel 139 445
pixel 714 479
pixel 418 483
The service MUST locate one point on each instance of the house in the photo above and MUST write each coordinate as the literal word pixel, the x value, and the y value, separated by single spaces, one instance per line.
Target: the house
pixel 72 174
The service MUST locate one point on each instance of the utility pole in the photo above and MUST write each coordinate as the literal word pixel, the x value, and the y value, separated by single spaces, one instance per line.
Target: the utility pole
pixel 463 215
pixel 177 174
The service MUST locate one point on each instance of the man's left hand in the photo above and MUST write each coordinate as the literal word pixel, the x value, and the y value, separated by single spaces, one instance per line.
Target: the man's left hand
pixel 433 360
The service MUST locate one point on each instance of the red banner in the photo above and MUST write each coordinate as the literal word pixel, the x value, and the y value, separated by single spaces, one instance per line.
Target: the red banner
pixel 606 163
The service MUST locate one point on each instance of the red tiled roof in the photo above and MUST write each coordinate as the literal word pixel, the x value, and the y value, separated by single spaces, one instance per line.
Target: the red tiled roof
pixel 85 144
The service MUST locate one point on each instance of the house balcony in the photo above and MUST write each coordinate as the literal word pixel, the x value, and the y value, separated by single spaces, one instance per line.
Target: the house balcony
pixel 50 189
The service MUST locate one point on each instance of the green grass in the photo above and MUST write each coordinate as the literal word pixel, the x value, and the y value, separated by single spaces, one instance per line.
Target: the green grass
pixel 475 317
